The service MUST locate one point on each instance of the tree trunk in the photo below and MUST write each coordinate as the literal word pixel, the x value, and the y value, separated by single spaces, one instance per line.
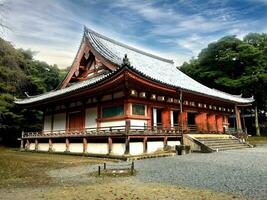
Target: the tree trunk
pixel 257 122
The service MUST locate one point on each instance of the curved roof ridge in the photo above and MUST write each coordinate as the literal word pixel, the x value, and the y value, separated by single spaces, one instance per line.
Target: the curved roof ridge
pixel 87 30
pixel 105 49
pixel 234 95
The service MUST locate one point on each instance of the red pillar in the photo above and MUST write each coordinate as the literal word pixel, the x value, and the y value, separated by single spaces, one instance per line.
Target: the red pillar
pixel 201 121
pixel 149 115
pixel 184 119
pixel 219 119
pixel 166 120
pixel 212 122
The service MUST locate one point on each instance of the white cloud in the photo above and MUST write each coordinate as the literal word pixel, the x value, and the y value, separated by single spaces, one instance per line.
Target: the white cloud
pixel 54 28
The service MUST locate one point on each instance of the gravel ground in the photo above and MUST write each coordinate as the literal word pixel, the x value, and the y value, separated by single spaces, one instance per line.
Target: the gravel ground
pixel 242 172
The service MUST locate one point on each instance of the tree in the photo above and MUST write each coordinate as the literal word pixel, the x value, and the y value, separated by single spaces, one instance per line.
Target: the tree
pixel 20 73
pixel 233 65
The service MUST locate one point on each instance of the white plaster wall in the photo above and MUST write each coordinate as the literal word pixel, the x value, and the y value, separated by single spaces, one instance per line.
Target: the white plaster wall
pixel 114 123
pixel 97 148
pixel 59 147
pixel 90 117
pixel 32 146
pixel 136 148
pixel 172 121
pixel 138 123
pixel 59 122
pixel 173 143
pixel 154 146
pixel 154 116
pixel 47 123
pixel 76 147
pixel 118 148
pixel 43 146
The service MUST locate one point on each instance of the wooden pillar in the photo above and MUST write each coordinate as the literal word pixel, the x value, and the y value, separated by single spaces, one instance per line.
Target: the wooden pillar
pixel 212 122
pixel 36 144
pixel 127 127
pixel 219 121
pixel 27 146
pixel 145 145
pixel 181 111
pixel 216 123
pixel 184 120
pixel 98 116
pixel 52 121
pixel 85 145
pixel 67 119
pixel 238 119
pixel 21 144
pixel 201 121
pixel 83 113
pixel 109 145
pixel 127 141
pixel 67 145
pixel 165 142
pixel 127 108
pixel 149 115
pixel 166 120
pixel 21 141
pixel 50 144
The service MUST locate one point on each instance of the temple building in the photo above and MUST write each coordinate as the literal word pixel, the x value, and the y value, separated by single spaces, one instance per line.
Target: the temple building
pixel 119 100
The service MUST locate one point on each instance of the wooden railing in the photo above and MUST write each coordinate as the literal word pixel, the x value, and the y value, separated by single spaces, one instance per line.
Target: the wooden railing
pixel 111 130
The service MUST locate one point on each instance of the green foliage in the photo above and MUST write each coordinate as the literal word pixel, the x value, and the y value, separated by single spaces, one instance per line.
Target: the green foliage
pixel 233 65
pixel 20 73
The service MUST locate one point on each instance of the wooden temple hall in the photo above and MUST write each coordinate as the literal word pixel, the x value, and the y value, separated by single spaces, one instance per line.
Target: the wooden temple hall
pixel 119 100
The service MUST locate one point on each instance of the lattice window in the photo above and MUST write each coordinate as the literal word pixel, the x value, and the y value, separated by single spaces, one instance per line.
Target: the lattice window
pixel 113 111
pixel 138 109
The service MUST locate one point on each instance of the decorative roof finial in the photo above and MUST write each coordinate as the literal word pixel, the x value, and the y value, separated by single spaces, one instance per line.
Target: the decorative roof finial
pixel 85 29
pixel 125 61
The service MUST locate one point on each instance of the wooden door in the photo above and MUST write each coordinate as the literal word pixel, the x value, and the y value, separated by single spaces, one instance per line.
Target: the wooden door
pixel 75 121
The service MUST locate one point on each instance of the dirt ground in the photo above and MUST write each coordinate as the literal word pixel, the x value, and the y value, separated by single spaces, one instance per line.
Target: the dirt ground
pixel 49 176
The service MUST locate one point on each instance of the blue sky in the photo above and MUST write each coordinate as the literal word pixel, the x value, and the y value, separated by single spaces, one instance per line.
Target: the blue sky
pixel 176 29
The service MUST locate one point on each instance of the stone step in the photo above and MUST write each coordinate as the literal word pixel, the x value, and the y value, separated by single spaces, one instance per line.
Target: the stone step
pixel 215 139
pixel 227 145
pixel 221 142
pixel 232 148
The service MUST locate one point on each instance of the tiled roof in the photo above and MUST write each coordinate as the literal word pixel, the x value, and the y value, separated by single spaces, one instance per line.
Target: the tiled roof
pixel 59 92
pixel 151 66
pixel 154 67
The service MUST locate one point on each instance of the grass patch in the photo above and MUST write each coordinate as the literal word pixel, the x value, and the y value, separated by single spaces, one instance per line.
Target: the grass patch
pixel 29 169
pixel 24 174
pixel 257 140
